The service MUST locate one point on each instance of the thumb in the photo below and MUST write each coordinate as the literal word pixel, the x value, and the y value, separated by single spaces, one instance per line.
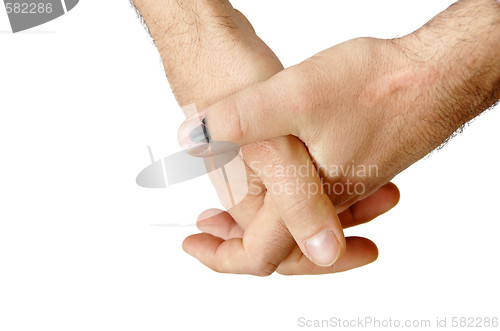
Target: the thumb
pixel 260 112
pixel 295 188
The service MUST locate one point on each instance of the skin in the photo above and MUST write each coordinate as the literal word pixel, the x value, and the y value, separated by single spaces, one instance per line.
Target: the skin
pixel 385 103
pixel 210 51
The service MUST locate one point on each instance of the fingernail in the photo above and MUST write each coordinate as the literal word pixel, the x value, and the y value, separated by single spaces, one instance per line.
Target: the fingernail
pixel 323 248
pixel 194 133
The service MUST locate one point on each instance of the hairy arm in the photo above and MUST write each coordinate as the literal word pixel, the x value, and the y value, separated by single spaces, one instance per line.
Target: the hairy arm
pixel 199 42
pixel 460 49
pixel 187 24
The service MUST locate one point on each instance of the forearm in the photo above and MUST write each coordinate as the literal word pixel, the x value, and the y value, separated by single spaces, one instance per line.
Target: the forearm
pixel 182 21
pixel 461 50
pixel 189 34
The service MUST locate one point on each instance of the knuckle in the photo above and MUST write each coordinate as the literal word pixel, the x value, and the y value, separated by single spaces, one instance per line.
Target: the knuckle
pixel 303 211
pixel 277 152
pixel 247 112
pixel 259 262
pixel 233 122
pixel 263 268
pixel 300 208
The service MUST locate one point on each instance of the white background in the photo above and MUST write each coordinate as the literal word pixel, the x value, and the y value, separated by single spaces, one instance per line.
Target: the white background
pixel 80 99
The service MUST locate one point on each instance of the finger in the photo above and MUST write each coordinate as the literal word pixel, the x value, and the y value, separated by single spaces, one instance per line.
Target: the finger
pixel 245 256
pixel 363 211
pixel 260 112
pixel 297 192
pixel 265 244
pixel 359 252
pixel 232 256
pixel 219 224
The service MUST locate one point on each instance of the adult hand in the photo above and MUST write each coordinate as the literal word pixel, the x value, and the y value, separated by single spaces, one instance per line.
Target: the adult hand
pixel 369 108
pixel 220 59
